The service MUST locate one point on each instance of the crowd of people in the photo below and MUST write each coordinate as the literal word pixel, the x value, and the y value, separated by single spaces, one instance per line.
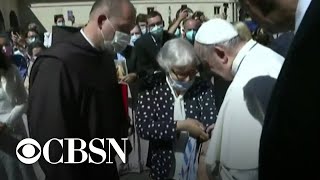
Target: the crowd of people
pixel 204 99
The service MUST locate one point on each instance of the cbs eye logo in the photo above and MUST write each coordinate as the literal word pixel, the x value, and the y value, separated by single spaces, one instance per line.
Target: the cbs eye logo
pixel 28 151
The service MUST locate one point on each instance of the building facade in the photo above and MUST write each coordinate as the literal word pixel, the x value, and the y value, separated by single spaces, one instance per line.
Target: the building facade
pixel 168 8
pixel 21 12
pixel 9 14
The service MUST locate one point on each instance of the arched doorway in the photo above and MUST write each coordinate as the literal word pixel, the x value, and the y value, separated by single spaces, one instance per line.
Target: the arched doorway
pixel 14 23
pixel 2 27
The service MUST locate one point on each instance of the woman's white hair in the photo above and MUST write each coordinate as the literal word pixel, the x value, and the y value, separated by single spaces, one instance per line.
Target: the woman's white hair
pixel 177 53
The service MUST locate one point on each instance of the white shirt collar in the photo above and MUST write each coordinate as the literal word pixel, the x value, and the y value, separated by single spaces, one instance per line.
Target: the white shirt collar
pixel 300 12
pixel 86 37
pixel 173 91
pixel 241 55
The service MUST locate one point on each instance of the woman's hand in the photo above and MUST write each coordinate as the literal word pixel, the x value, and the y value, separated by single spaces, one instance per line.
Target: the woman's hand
pixel 194 127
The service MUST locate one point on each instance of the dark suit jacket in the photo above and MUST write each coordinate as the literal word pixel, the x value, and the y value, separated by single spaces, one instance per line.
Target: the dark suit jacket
pixel 130 55
pixel 146 52
pixel 282 44
pixel 290 141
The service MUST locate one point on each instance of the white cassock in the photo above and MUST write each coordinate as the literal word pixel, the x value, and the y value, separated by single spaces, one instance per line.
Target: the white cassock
pixel 236 137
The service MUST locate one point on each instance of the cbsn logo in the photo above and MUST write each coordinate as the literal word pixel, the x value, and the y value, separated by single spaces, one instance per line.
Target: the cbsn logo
pixel 28 147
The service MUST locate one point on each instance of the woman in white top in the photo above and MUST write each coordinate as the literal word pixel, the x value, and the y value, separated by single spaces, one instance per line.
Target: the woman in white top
pixel 13 98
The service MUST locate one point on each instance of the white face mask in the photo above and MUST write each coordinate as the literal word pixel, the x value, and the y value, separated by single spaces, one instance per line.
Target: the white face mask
pixel 143 29
pixel 118 44
pixel 134 38
pixel 180 85
pixel 60 23
pixel 157 30
pixel 31 40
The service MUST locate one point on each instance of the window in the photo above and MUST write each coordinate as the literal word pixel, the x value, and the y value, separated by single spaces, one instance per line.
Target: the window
pixel 216 10
pixel 225 7
pixel 150 9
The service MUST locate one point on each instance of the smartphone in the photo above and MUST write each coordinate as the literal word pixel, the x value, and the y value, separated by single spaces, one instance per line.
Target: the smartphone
pixel 183 7
pixel 70 15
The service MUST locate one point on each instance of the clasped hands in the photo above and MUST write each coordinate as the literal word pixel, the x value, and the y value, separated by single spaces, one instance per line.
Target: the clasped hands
pixel 195 129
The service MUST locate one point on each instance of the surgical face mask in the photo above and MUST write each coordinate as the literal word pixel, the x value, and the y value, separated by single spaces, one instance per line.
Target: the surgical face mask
pixel 31 40
pixel 191 35
pixel 177 33
pixel 157 30
pixel 118 44
pixel 180 85
pixel 134 38
pixel 143 29
pixel 60 23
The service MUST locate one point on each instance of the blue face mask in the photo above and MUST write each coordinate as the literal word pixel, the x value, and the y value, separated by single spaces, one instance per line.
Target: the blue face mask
pixel 134 38
pixel 157 30
pixel 180 85
pixel 177 33
pixel 143 29
pixel 191 35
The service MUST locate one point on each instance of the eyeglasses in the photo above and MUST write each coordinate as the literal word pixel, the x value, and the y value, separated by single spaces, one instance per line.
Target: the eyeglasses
pixel 185 76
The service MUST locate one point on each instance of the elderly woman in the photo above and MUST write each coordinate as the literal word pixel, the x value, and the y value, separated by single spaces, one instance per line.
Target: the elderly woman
pixel 176 113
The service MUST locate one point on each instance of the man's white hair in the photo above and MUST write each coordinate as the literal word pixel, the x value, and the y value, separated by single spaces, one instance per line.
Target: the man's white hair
pixel 177 53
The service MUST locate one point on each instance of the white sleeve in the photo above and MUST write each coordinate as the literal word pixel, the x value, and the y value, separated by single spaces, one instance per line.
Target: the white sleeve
pixel 17 95
pixel 47 39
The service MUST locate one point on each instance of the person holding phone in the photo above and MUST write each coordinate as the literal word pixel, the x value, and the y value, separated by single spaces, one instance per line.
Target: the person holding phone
pixel 72 19
pixel 181 15
pixel 70 16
